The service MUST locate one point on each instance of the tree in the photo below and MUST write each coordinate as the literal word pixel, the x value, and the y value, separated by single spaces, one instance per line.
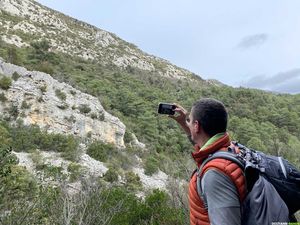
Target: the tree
pixel 12 56
pixel 5 83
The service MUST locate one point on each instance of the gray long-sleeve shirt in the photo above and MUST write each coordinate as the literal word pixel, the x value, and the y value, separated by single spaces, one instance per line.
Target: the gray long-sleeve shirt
pixel 222 198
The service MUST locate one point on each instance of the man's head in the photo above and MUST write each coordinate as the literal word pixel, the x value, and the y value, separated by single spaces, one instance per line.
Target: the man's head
pixel 211 115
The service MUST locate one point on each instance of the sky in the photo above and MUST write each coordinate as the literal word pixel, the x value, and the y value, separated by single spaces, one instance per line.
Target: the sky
pixel 249 43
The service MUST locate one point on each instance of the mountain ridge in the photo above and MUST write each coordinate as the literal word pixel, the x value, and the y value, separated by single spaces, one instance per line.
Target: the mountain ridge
pixel 86 41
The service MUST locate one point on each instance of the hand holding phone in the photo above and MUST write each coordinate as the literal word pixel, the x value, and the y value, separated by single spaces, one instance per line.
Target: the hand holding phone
pixel 180 118
pixel 166 108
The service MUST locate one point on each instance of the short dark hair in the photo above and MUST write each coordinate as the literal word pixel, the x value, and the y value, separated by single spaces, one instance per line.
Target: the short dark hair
pixel 211 114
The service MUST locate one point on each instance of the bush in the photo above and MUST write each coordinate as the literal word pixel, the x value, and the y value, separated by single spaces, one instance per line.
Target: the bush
pixel 2 97
pixel 24 105
pixel 70 119
pixel 100 151
pixel 60 94
pixel 133 181
pixel 101 116
pixel 13 111
pixel 12 56
pixel 19 184
pixel 157 206
pixel 67 145
pixel 128 137
pixel 5 139
pixel 37 159
pixel 45 67
pixel 75 171
pixel 40 99
pixel 73 92
pixel 54 171
pixel 151 165
pixel 84 108
pixel 25 138
pixel 63 106
pixel 15 76
pixel 94 115
pixel 43 88
pixel 111 175
pixel 28 138
pixel 5 83
pixel 6 163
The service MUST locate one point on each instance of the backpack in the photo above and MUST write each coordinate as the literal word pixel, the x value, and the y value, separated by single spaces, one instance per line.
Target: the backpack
pixel 273 185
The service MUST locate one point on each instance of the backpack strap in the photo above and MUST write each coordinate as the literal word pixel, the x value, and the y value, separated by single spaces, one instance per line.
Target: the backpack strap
pixel 282 167
pixel 220 154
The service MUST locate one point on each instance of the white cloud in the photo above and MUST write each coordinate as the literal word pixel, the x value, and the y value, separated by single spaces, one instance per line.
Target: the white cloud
pixel 253 41
pixel 288 82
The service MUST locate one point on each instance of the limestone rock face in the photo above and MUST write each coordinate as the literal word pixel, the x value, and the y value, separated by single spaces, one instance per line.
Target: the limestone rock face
pixel 58 107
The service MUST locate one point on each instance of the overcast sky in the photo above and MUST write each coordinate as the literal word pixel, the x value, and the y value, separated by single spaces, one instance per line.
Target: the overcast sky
pixel 250 43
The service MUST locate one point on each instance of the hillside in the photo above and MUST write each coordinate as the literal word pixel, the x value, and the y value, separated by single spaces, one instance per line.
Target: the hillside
pixel 78 109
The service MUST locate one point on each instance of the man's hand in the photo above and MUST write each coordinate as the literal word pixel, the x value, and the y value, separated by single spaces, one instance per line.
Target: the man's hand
pixel 180 117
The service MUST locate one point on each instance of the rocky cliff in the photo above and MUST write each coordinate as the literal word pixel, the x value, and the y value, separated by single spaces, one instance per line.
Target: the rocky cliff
pixel 58 107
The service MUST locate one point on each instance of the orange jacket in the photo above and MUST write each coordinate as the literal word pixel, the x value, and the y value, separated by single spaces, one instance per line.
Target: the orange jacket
pixel 198 213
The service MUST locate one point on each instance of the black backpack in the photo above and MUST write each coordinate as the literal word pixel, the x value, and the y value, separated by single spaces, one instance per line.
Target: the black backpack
pixel 273 185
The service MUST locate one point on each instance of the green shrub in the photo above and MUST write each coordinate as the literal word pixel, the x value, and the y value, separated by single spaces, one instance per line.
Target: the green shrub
pixel 19 184
pixel 63 106
pixel 101 116
pixel 75 171
pixel 24 105
pixel 13 111
pixel 151 165
pixel 94 115
pixel 2 97
pixel 40 99
pixel 84 108
pixel 45 67
pixel 133 181
pixel 128 137
pixel 158 206
pixel 73 92
pixel 5 137
pixel 70 119
pixel 37 159
pixel 111 175
pixel 15 76
pixel 6 163
pixel 100 151
pixel 60 94
pixel 89 134
pixel 13 56
pixel 28 138
pixel 54 172
pixel 67 145
pixel 43 88
pixel 5 83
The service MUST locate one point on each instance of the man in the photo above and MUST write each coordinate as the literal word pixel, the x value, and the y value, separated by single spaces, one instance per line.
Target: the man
pixel 222 182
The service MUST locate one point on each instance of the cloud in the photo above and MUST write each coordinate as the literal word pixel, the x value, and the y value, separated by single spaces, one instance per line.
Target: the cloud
pixel 286 82
pixel 253 41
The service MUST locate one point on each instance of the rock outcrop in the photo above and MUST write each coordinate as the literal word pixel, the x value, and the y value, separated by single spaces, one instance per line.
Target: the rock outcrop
pixel 58 107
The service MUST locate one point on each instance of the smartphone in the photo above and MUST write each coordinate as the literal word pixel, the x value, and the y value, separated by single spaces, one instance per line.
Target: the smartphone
pixel 166 108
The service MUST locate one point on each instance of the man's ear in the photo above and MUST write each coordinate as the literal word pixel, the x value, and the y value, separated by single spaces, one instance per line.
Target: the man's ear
pixel 197 126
